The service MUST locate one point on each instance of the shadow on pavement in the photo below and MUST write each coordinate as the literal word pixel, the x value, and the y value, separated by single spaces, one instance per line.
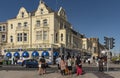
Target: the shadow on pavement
pixel 102 75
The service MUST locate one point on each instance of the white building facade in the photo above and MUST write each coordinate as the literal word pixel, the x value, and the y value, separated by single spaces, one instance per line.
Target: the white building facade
pixel 43 30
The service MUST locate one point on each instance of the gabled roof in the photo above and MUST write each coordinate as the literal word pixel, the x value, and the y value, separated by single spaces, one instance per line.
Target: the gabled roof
pixel 49 9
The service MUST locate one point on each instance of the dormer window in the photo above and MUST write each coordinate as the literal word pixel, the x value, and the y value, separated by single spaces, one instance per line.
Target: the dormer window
pixel 41 10
pixel 22 14
pixel 11 26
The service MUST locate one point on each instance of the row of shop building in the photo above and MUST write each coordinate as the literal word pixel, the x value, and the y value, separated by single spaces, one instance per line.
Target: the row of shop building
pixel 46 29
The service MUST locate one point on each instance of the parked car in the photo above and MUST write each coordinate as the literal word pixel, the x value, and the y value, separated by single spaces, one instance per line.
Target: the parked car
pixel 30 63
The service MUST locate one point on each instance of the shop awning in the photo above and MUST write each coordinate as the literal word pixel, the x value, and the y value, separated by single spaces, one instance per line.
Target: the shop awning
pixel 9 55
pixel 16 54
pixel 25 54
pixel 35 54
pixel 45 53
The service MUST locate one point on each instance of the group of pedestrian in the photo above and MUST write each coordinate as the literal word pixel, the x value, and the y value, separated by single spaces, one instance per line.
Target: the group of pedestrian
pixel 101 65
pixel 69 65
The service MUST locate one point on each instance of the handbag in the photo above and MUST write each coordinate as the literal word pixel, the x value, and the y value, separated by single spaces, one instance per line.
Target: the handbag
pixel 39 65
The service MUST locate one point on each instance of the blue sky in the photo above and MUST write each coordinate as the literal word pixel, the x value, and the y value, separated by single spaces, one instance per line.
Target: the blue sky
pixel 94 18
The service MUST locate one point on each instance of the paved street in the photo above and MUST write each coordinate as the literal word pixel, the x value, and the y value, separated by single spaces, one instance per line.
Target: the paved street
pixel 91 72
pixel 34 74
pixel 86 68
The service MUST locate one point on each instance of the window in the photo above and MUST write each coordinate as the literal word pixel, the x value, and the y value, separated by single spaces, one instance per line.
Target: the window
pixel 19 37
pixel 0 28
pixel 25 24
pixel 41 11
pixel 25 36
pixel 95 49
pixel 3 38
pixel 70 39
pixel 45 22
pixel 65 26
pixel 38 23
pixel 67 38
pixel 56 37
pixel 19 24
pixel 61 37
pixel 11 38
pixel 11 26
pixel 39 35
pixel 4 28
pixel 45 35
pixel 22 14
pixel 83 46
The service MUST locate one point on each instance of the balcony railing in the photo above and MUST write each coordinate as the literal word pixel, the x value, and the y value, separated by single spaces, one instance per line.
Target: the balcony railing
pixel 22 28
pixel 41 26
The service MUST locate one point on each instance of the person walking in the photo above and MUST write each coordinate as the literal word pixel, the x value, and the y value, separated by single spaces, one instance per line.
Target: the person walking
pixel 40 70
pixel 78 66
pixel 69 65
pixel 101 65
pixel 43 66
pixel 62 66
pixel 88 60
pixel 73 64
pixel 58 63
